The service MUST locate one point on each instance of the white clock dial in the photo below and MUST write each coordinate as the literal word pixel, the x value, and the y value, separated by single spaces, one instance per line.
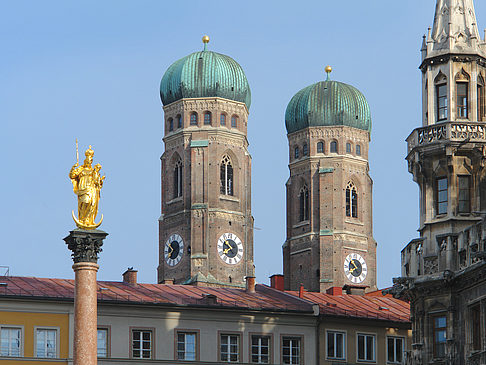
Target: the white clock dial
pixel 230 248
pixel 173 249
pixel 355 268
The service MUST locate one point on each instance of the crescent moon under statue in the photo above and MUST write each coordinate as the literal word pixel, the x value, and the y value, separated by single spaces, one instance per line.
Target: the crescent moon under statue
pixel 84 226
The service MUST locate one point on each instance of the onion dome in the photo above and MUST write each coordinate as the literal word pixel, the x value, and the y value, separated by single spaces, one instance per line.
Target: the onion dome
pixel 205 74
pixel 328 103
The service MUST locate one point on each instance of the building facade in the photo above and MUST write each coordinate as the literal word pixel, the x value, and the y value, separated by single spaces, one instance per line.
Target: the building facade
pixel 443 271
pixel 329 192
pixel 206 226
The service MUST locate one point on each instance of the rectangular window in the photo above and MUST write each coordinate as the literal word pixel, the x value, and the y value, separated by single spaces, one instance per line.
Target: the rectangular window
pixel 440 335
pixel 358 150
pixel 442 193
pixel 464 200
pixel 10 341
pixel 336 345
pixel 230 348
pixel 462 106
pixel 233 121
pixel 394 350
pixel 480 103
pixel 291 350
pixel 142 344
pixel 441 91
pixel 186 346
pixel 102 342
pixel 260 349
pixel 366 347
pixel 46 343
pixel 476 327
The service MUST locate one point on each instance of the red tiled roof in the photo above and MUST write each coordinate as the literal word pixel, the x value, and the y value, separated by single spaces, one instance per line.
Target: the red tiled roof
pixel 358 306
pixel 160 294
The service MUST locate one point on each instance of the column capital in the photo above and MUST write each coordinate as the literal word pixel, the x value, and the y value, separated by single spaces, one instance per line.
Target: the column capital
pixel 85 245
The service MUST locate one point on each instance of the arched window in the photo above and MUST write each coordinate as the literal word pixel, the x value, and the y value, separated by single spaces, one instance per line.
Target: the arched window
pixel 179 121
pixel 351 201
pixel 305 149
pixel 207 118
pixel 441 96
pixel 334 147
pixel 193 119
pixel 296 152
pixel 348 147
pixel 320 147
pixel 481 101
pixel 171 124
pixel 178 179
pixel 462 92
pixel 222 119
pixel 358 149
pixel 226 176
pixel 234 121
pixel 304 204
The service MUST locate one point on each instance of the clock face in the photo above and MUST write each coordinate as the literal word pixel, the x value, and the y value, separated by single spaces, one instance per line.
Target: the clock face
pixel 355 268
pixel 230 248
pixel 173 250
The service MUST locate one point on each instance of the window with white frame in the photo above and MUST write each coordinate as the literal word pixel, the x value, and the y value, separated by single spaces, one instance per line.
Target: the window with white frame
pixel 142 344
pixel 336 345
pixel 260 349
pixel 230 348
pixel 10 341
pixel 46 343
pixel 186 346
pixel 291 351
pixel 102 342
pixel 366 347
pixel 394 349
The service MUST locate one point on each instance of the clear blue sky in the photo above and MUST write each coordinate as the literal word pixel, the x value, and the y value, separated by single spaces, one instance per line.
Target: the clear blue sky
pixel 91 70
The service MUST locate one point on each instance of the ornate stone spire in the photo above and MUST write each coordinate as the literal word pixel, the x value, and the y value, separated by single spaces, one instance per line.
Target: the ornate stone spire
pixel 455 29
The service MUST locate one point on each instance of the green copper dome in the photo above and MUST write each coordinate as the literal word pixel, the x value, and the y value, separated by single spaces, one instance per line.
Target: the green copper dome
pixel 205 74
pixel 328 103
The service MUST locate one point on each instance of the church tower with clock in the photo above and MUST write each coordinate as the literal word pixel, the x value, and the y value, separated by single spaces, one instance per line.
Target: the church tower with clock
pixel 329 192
pixel 206 226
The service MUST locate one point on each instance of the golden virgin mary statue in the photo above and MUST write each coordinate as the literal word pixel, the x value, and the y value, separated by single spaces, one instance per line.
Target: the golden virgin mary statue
pixel 87 184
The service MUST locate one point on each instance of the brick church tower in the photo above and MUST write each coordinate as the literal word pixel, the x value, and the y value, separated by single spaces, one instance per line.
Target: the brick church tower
pixel 329 193
pixel 206 226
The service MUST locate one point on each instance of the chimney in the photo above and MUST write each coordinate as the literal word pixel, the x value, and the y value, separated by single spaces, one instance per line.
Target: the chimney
pixel 355 289
pixel 277 282
pixel 169 281
pixel 250 284
pixel 130 276
pixel 301 291
pixel 335 290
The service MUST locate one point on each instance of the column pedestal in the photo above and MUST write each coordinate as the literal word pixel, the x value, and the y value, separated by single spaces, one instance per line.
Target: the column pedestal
pixel 85 245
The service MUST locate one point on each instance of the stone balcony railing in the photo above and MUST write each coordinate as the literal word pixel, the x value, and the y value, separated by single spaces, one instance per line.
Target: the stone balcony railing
pixel 452 131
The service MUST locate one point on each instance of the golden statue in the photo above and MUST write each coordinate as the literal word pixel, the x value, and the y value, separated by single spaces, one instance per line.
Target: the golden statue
pixel 87 183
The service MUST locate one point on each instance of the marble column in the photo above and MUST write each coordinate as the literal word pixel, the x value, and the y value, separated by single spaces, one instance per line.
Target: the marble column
pixel 85 246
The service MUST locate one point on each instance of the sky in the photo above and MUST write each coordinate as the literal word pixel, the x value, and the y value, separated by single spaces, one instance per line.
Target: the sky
pixel 91 70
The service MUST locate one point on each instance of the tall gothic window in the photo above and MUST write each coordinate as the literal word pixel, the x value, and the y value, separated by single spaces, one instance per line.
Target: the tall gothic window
pixel 481 100
pixel 304 204
pixel 193 119
pixel 226 176
pixel 178 179
pixel 441 97
pixel 351 201
pixel 207 118
pixel 462 92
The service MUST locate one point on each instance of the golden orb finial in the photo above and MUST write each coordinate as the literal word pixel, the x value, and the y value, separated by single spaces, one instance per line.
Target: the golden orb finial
pixel 328 69
pixel 205 39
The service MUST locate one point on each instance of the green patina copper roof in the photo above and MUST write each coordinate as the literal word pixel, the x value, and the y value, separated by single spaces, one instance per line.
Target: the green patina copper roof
pixel 205 74
pixel 328 103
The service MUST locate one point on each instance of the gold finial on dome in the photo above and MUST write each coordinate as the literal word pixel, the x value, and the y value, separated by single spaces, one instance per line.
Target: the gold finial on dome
pixel 205 39
pixel 328 70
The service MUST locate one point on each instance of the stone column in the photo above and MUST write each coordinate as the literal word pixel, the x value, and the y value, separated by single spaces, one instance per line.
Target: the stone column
pixel 85 245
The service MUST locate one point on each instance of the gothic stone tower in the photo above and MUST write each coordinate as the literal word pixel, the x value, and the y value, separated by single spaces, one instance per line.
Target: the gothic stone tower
pixel 206 227
pixel 329 193
pixel 444 270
